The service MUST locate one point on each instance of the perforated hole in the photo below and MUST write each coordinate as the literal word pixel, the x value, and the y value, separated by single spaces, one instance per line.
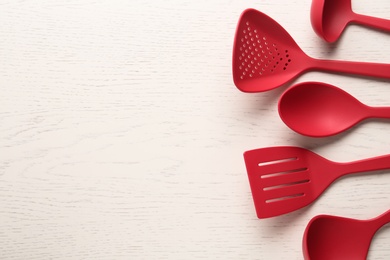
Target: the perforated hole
pixel 258 54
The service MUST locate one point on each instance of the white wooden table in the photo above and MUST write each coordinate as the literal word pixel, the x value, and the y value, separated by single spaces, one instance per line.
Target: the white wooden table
pixel 122 133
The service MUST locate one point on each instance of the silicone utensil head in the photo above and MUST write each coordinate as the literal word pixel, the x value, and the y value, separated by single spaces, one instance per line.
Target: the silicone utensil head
pixel 265 56
pixel 330 17
pixel 317 109
pixel 287 178
pixel 337 238
pixel 282 179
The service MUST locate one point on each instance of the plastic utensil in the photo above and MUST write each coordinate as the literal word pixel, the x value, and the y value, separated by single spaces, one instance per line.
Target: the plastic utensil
pixel 330 17
pixel 287 178
pixel 338 238
pixel 317 109
pixel 265 56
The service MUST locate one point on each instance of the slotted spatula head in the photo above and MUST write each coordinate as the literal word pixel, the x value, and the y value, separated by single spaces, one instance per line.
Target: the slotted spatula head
pixel 282 179
pixel 265 56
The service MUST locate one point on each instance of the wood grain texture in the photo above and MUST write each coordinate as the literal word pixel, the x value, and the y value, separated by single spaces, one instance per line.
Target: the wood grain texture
pixel 122 133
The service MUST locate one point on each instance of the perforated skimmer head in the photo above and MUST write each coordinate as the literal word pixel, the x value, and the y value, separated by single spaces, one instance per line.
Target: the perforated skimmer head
pixel 264 53
pixel 259 57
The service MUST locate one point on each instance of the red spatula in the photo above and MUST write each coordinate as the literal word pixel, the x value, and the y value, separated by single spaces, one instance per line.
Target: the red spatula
pixel 265 56
pixel 287 178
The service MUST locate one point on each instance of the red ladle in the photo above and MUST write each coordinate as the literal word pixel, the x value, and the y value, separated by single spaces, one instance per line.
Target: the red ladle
pixel 337 238
pixel 265 56
pixel 317 109
pixel 330 17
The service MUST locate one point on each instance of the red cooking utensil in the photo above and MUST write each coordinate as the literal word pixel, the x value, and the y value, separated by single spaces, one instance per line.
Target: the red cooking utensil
pixel 287 178
pixel 337 238
pixel 265 56
pixel 313 109
pixel 330 17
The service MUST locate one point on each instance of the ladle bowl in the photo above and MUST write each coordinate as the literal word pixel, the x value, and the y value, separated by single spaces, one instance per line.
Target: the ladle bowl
pixel 329 18
pixel 338 238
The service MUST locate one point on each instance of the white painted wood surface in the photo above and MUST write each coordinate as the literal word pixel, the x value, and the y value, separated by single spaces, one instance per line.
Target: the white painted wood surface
pixel 122 133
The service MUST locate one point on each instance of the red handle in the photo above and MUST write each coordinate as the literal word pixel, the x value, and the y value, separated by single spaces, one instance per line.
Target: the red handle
pixel 370 164
pixel 381 220
pixel 375 22
pixel 379 70
pixel 379 112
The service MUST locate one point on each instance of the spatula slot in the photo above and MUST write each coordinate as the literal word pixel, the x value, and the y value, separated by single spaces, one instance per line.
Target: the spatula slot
pixel 285 185
pixel 283 173
pixel 277 161
pixel 285 198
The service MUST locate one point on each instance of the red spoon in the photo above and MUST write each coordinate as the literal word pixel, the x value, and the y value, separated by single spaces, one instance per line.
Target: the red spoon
pixel 317 109
pixel 330 17
pixel 337 238
pixel 265 56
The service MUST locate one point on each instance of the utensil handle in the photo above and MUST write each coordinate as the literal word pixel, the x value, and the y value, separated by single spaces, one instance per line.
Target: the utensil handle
pixel 370 164
pixel 381 220
pixel 375 22
pixel 379 112
pixel 379 70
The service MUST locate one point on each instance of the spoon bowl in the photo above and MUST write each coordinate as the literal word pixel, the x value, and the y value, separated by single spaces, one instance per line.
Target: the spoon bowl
pixel 329 18
pixel 318 109
pixel 338 238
